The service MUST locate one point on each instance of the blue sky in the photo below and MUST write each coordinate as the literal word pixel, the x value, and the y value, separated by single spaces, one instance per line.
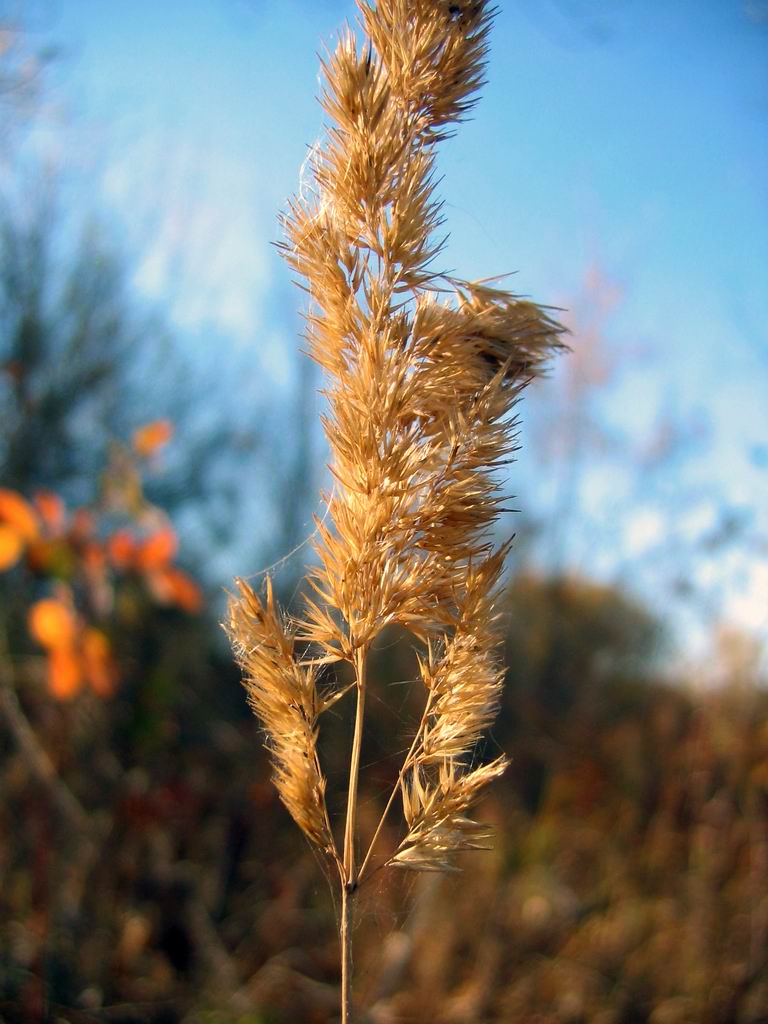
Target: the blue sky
pixel 628 135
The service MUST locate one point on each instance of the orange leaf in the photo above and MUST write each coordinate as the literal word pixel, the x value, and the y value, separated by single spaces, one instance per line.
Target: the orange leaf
pixel 18 513
pixel 150 437
pixel 98 662
pixel 122 549
pixel 51 509
pixel 65 673
pixel 182 590
pixel 11 547
pixel 52 624
pixel 157 551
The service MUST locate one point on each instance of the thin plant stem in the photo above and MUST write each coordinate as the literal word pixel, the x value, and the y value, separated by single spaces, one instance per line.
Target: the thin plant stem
pixel 349 881
pixel 354 772
pixel 39 763
pixel 347 901
pixel 409 758
pixel 36 758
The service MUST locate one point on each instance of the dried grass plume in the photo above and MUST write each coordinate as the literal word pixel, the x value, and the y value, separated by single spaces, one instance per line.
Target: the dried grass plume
pixel 422 371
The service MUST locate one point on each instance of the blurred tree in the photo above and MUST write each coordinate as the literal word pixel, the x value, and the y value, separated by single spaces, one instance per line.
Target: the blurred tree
pixel 68 333
pixel 620 497
pixel 569 638
pixel 84 360
pixel 579 653
pixel 21 76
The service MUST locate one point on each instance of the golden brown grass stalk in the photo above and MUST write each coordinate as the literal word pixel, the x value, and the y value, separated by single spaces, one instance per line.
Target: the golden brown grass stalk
pixel 422 372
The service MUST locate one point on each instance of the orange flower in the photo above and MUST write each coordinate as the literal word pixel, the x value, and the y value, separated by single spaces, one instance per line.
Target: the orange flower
pixel 51 509
pixel 17 513
pixel 98 662
pixel 157 550
pixel 74 655
pixel 11 546
pixel 52 624
pixel 172 586
pixel 65 673
pixel 150 437
pixel 122 549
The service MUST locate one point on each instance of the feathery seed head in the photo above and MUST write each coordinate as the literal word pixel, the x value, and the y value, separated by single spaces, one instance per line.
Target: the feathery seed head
pixel 423 372
pixel 283 694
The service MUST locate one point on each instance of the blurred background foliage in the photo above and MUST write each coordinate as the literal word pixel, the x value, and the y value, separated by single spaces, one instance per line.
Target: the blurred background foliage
pixel 149 872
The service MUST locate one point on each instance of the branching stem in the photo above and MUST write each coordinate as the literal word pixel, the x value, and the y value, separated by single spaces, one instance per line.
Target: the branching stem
pixel 407 763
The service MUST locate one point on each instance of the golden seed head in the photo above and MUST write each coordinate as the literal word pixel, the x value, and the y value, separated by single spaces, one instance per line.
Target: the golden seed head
pixel 422 374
